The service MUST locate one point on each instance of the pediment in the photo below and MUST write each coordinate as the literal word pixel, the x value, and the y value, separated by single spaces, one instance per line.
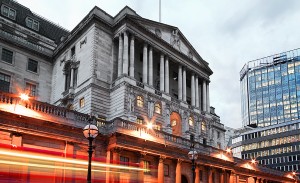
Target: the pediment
pixel 173 36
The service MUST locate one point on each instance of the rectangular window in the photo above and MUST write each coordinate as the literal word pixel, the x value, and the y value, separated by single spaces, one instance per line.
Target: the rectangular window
pixel 7 56
pixel 30 89
pixel 32 65
pixel 4 82
pixel 32 24
pixel 139 121
pixel 75 77
pixel 72 51
pixel 146 167
pixel 81 102
pixel 8 12
pixel 124 160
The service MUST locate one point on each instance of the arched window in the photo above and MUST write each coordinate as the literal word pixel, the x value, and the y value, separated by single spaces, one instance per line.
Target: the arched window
pixel 191 121
pixel 157 108
pixel 139 101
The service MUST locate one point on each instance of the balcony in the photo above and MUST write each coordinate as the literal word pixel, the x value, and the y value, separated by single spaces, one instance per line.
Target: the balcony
pixel 158 136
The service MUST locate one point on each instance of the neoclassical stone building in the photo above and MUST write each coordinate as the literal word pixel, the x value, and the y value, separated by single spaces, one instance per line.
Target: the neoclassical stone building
pixel 128 72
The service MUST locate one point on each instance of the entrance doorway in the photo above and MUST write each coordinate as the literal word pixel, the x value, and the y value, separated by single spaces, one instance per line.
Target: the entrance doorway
pixel 183 179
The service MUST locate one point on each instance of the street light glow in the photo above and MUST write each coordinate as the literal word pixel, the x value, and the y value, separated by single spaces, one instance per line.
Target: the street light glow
pixel 24 96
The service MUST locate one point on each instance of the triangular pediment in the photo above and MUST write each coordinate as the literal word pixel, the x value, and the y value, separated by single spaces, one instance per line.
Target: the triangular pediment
pixel 173 36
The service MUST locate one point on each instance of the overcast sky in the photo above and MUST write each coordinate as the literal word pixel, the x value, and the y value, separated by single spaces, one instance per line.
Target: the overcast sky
pixel 226 33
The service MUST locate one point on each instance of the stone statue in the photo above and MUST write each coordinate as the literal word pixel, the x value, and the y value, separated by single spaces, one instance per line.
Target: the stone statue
pixel 131 100
pixel 175 41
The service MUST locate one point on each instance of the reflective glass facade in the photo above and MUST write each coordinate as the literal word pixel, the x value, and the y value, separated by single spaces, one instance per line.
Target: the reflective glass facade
pixel 270 89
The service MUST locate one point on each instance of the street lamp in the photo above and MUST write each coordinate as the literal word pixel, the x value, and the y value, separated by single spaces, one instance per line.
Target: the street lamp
pixel 193 155
pixel 90 132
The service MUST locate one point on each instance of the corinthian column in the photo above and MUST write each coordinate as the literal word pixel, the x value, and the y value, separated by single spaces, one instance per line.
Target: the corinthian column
pixel 131 67
pixel 150 66
pixel 180 82
pixel 184 85
pixel 161 73
pixel 145 63
pixel 120 54
pixel 178 171
pixel 125 54
pixel 207 98
pixel 167 75
pixel 160 175
pixel 204 95
pixel 193 89
pixel 197 91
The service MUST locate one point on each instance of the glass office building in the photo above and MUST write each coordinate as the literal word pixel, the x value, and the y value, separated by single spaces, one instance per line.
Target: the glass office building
pixel 270 89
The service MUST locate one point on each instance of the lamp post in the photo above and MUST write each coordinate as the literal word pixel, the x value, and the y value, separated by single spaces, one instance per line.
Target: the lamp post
pixel 193 155
pixel 90 132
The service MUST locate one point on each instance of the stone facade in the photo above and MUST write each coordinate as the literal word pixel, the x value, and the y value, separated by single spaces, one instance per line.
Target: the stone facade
pixel 127 72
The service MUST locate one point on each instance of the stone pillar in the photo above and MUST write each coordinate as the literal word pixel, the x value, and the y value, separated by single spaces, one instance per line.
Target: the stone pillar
pixel 180 82
pixel 162 73
pixel 222 176
pixel 150 66
pixel 200 96
pixel 69 153
pixel 193 89
pixel 125 54
pixel 178 171
pixel 209 175
pixel 227 174
pixel 207 98
pixel 197 91
pixel 116 158
pixel 160 175
pixel 108 161
pixel 167 75
pixel 197 177
pixel 184 85
pixel 145 63
pixel 204 95
pixel 131 67
pixel 141 173
pixel 120 56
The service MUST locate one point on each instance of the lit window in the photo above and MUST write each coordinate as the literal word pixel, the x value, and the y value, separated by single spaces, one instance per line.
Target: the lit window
pixel 7 55
pixel 30 89
pixel 33 24
pixel 173 123
pixel 140 121
pixel 8 12
pixel 203 126
pixel 32 65
pixel 4 82
pixel 140 101
pixel 81 102
pixel 146 166
pixel 191 121
pixel 157 108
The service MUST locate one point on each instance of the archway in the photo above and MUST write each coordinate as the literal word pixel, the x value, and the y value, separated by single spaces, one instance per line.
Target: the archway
pixel 175 122
pixel 184 179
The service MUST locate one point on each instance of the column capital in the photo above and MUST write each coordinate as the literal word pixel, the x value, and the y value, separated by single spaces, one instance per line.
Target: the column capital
pixel 132 37
pixel 117 150
pixel 146 43
pixel 161 158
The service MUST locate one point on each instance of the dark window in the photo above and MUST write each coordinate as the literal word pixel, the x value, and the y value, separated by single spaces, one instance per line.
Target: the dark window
pixel 33 24
pixel 124 161
pixel 4 82
pixel 72 51
pixel 204 141
pixel 201 175
pixel 32 65
pixel 175 76
pixel 30 89
pixel 166 170
pixel 7 55
pixel 8 12
pixel 75 77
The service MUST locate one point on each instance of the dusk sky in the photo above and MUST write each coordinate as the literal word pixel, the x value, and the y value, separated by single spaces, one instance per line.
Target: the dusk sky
pixel 226 33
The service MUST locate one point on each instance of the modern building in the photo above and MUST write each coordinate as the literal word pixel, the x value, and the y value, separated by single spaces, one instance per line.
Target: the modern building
pixel 127 72
pixel 270 90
